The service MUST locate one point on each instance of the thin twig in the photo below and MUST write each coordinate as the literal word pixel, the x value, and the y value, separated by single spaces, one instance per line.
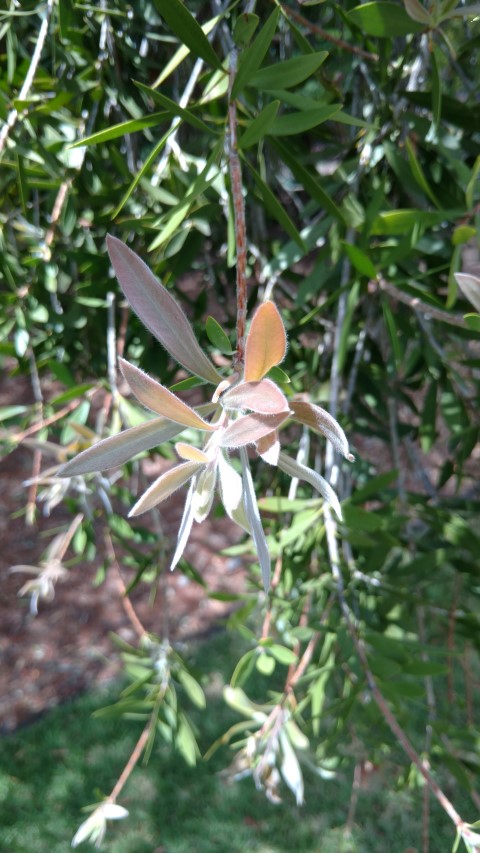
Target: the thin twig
pixel 131 763
pixel 51 420
pixel 27 83
pixel 127 604
pixel 239 213
pixel 388 716
pixel 37 456
pixel 314 28
pixel 417 304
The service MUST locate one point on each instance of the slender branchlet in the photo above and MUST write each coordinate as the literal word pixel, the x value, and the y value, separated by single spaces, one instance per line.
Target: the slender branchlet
pixel 239 214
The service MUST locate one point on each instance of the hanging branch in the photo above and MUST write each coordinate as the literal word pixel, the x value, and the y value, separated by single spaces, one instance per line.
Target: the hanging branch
pixel 239 213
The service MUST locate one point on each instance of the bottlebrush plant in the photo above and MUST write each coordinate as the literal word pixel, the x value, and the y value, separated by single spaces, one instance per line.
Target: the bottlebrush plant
pixel 246 408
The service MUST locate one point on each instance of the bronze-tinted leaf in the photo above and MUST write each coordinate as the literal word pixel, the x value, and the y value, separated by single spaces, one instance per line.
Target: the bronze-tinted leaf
pixel 159 311
pixel 165 486
pixel 160 400
pixel 321 421
pixel 266 343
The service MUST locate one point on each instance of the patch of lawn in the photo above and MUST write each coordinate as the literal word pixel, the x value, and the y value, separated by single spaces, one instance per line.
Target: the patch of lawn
pixel 69 759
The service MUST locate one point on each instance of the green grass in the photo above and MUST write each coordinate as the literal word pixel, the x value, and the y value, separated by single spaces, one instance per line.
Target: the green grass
pixel 49 770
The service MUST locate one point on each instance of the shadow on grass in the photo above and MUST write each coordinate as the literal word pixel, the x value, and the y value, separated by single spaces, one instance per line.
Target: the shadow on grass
pixel 70 759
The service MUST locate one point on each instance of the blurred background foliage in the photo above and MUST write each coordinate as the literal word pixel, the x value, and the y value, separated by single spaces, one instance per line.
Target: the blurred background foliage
pixel 359 134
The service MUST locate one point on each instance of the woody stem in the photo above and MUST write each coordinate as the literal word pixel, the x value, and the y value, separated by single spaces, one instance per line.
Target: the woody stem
pixel 239 215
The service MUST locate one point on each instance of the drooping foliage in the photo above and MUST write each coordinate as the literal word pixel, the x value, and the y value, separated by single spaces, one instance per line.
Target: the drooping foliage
pixel 357 132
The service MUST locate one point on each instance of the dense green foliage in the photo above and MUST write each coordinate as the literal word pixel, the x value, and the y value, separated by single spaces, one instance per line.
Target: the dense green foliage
pixel 360 166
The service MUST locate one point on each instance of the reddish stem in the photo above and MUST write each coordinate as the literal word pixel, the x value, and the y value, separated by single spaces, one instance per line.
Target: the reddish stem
pixel 240 228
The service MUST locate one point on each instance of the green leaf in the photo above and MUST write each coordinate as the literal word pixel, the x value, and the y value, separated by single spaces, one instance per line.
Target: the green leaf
pixel 419 174
pixel 260 126
pixel 298 122
pixel 265 664
pixel 182 53
pixel 471 184
pixel 360 519
pixel 394 222
pixel 275 208
pixel 245 26
pixel 292 72
pixel 283 654
pixel 192 688
pixel 187 29
pixel 142 171
pixel 473 322
pixel 359 260
pixel 374 486
pixel 217 336
pixel 462 234
pixel 252 58
pixel 428 426
pixel 383 19
pixel 131 126
pixel 243 668
pixel 185 741
pixel 174 109
pixel 308 181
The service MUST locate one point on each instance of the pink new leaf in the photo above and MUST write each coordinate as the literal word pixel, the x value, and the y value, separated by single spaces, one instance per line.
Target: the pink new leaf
pixel 250 428
pixel 160 400
pixel 266 342
pixel 159 311
pixel 263 397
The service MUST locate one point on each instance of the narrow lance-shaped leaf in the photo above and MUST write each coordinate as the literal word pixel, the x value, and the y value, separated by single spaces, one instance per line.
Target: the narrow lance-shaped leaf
pixel 117 449
pixel 470 287
pixel 263 397
pixel 290 769
pixel 231 492
pixel 250 428
pixel 266 343
pixel 295 469
pixel 159 311
pixel 254 520
pixel 185 526
pixel 165 486
pixel 204 492
pixel 187 29
pixel 268 447
pixel 190 453
pixel 321 421
pixel 252 57
pixel 160 400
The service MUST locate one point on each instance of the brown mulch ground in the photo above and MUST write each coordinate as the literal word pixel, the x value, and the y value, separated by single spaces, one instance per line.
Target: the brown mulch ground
pixel 67 649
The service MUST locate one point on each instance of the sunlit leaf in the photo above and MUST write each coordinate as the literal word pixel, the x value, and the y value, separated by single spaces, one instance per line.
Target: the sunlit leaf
pixel 250 428
pixel 254 520
pixel 321 421
pixel 383 19
pixel 470 287
pixel 160 400
pixel 262 396
pixel 266 343
pixel 191 454
pixel 295 469
pixel 231 492
pixel 164 486
pixel 117 449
